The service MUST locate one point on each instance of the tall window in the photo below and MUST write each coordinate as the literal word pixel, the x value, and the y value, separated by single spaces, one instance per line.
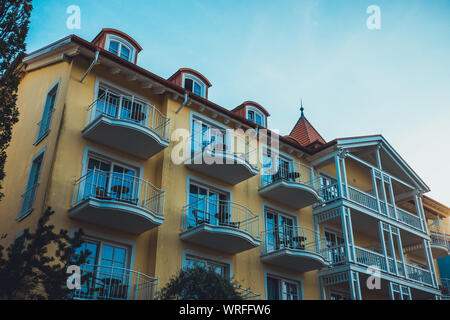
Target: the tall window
pixel 280 231
pixel 113 103
pixel 33 181
pixel 207 205
pixel 193 84
pixel 44 125
pixel 204 135
pixel 105 270
pixel 282 289
pixel 334 242
pixel 107 180
pixel 273 173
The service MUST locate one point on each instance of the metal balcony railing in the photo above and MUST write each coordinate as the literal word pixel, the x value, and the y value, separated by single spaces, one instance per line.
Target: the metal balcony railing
pixel 439 239
pixel 223 213
pixel 112 186
pixel 99 282
pixel 294 238
pixel 221 148
pixel 296 172
pixel 130 109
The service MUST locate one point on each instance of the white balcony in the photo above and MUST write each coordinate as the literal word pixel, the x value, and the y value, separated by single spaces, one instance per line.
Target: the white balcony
pixel 228 162
pixel 128 125
pixel 220 225
pixel 117 201
pixel 293 186
pixel 101 282
pixel 296 248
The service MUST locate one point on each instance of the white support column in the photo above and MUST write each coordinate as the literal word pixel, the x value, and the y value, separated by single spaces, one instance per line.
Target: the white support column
pixel 391 291
pixel 391 193
pixel 322 292
pixel 351 284
pixel 391 243
pixel 358 286
pixel 345 233
pixel 383 244
pixel 430 262
pixel 338 175
pixel 421 212
pixel 400 249
pixel 344 175
pixel 375 189
pixel 313 178
pixel 350 233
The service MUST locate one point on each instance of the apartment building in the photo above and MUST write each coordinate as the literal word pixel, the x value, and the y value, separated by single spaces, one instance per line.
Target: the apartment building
pixel 288 217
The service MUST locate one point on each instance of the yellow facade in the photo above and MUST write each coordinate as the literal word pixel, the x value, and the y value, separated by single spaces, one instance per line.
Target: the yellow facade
pixel 157 252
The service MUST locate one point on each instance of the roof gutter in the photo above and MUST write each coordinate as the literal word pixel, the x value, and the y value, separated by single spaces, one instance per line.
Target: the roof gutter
pixel 183 104
pixel 94 62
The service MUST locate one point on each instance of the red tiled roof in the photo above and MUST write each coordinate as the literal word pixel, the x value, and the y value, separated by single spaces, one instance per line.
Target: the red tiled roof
pixel 304 133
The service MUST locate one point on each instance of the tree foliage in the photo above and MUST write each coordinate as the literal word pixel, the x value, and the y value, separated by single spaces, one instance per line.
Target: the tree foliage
pixel 198 283
pixel 30 271
pixel 14 20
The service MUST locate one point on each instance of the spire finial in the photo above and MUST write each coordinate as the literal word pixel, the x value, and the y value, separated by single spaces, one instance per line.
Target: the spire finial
pixel 301 107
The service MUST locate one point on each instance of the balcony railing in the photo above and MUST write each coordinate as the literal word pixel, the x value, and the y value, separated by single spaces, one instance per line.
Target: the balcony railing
pixel 99 282
pixel 409 218
pixel 130 109
pixel 44 126
pixel 215 145
pixel 112 186
pixel 418 274
pixel 368 258
pixel 294 238
pixel 331 192
pixel 439 239
pixel 28 200
pixel 445 288
pixel 201 211
pixel 296 172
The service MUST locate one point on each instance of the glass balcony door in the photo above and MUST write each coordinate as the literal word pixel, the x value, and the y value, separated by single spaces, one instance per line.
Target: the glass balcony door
pixel 280 231
pixel 207 205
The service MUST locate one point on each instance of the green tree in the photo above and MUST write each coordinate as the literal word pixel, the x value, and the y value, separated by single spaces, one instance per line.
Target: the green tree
pixel 30 272
pixel 198 283
pixel 14 20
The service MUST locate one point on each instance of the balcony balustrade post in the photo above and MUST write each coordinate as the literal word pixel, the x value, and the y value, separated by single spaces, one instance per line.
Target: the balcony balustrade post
pixel 338 175
pixel 375 189
pixel 348 238
pixel 383 244
pixel 394 256
pixel 430 263
pixel 400 246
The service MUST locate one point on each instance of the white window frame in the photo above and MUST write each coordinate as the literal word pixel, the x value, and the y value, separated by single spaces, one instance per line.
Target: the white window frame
pixel 204 256
pixel 194 79
pixel 122 42
pixel 256 111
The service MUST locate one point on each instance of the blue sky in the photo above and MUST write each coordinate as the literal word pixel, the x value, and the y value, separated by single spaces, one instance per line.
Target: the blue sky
pixel 353 81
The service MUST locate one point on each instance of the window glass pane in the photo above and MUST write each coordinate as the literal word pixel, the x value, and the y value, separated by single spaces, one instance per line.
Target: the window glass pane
pixel 250 115
pixel 125 53
pixel 258 119
pixel 197 89
pixel 273 290
pixel 114 47
pixel 188 84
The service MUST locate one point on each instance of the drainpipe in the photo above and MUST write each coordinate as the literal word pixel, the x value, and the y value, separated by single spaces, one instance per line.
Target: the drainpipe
pixel 91 66
pixel 183 104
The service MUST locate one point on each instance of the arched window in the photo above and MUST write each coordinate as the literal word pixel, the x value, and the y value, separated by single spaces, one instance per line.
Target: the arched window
pixel 120 47
pixel 194 84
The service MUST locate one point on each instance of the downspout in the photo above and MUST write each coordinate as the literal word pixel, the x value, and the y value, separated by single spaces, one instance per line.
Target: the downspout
pixel 183 104
pixel 91 66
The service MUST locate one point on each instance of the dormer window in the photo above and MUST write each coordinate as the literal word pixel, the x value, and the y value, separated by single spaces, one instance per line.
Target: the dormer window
pixel 120 47
pixel 256 116
pixel 194 85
